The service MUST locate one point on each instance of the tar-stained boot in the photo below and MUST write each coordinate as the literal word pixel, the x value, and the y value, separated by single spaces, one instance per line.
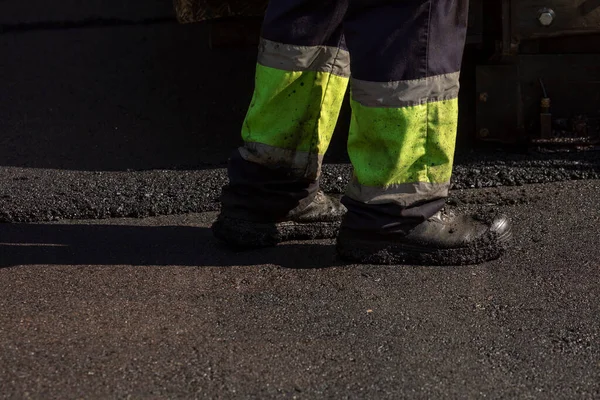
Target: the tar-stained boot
pixel 444 239
pixel 320 219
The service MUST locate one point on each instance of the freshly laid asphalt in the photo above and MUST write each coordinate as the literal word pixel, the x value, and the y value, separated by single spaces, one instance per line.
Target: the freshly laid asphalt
pixel 156 308
pixel 36 194
pixel 115 126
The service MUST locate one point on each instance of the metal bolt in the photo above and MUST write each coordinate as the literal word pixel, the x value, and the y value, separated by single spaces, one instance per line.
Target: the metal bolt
pixel 546 16
pixel 484 133
pixel 483 97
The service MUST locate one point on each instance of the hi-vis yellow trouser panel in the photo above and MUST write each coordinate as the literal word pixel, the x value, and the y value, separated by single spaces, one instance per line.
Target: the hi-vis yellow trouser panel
pixel 402 135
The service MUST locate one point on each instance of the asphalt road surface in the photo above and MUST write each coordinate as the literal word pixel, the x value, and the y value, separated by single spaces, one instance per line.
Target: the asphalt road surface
pixel 156 308
pixel 115 123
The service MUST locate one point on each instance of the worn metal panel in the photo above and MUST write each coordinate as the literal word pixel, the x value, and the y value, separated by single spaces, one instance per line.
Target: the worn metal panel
pixel 571 17
pixel 499 104
pixel 572 82
pixel 510 96
pixel 476 26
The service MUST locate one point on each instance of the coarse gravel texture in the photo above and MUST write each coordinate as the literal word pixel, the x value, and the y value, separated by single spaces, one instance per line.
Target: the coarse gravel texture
pixel 28 194
pixel 155 308
pixel 240 233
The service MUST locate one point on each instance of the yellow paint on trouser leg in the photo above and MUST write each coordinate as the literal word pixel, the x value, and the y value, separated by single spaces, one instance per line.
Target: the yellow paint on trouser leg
pixel 294 110
pixel 390 146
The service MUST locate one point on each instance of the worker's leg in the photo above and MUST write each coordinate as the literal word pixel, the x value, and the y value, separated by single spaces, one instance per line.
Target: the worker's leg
pixel 406 58
pixel 301 78
pixel 406 61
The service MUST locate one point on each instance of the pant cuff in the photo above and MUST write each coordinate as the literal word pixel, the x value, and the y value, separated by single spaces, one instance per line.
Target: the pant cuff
pixel 261 193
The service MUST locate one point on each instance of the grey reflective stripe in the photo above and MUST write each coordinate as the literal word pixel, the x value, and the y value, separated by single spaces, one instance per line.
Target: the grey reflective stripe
pixel 404 194
pixel 289 57
pixel 302 164
pixel 406 93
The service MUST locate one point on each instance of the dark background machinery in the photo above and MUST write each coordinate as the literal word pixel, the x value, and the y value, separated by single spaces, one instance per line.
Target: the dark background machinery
pixel 531 71
pixel 538 71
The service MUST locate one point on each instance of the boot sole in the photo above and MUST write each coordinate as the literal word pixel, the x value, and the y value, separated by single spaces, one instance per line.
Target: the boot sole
pixel 363 251
pixel 247 234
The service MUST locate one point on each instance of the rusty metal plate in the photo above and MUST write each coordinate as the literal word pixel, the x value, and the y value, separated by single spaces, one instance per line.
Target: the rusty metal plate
pixel 201 10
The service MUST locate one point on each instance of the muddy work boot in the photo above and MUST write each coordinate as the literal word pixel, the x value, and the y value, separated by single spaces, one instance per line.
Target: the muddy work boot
pixel 444 239
pixel 320 219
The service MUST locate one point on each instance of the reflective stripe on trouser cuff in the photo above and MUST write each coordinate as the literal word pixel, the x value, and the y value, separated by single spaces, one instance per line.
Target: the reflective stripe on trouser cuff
pixel 403 194
pixel 301 164
pixel 406 93
pixel 289 57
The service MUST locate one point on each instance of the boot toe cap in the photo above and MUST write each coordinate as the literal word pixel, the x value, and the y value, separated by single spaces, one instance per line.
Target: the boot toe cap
pixel 501 227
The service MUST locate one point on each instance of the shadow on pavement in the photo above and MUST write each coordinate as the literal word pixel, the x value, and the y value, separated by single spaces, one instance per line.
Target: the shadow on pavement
pixel 39 244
